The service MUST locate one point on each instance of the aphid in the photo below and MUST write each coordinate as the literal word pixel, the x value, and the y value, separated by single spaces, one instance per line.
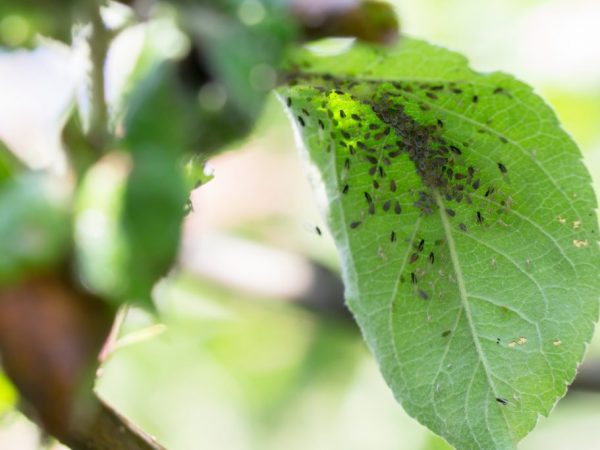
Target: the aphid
pixel 386 161
pixel 355 224
pixel 475 99
pixel 386 205
pixel 446 333
pixel 450 212
pixel 347 163
pixel 424 107
pixel 398 208
pixel 503 139
pixel 321 124
pixel 423 294
pixel 355 117
pixel 393 236
pixel 392 186
pixel 342 114
pixel 387 131
pixel 379 136
pixel 455 150
pixel 437 87
pixel 413 278
pixel 490 191
pixel 394 153
pixel 289 102
pixel 318 230
pixel 372 159
pixel 456 91
pixel 421 245
pixel 460 176
pixel 345 190
pixel 301 120
pixel 381 172
pixel 337 91
pixel 373 126
pixel 440 123
pixel 431 257
pixel 306 113
pixel 480 218
pixel 351 150
pixel 470 171
pixel 361 145
pixel 502 168
pixel 462 227
pixel 346 134
pixel 375 184
pixel 372 170
pixel 476 184
pixel 413 258
pixel 502 401
pixel 431 95
pixel 368 198
pixel 497 340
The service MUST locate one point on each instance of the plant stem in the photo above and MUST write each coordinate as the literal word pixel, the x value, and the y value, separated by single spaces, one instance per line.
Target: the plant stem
pixel 99 42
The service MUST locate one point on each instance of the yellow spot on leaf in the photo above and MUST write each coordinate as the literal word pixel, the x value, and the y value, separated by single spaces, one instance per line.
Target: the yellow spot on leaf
pixel 561 220
pixel 576 224
pixel 556 342
pixel 580 243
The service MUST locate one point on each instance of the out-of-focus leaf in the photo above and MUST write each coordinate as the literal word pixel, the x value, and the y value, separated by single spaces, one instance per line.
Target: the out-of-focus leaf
pixel 21 20
pixel 8 394
pixel 9 164
pixel 34 225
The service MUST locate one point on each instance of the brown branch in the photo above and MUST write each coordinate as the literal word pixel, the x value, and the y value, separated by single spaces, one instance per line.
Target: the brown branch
pixel 50 337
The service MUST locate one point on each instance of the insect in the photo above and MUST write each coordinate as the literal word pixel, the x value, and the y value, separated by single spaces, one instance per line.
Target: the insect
pixel 342 114
pixel 480 218
pixel 355 224
pixel 431 257
pixel 393 236
pixel 421 245
pixel 502 401
pixel 502 168
pixel 423 294
pixel 318 230
pixel 301 120
pixel 450 212
pixel 345 189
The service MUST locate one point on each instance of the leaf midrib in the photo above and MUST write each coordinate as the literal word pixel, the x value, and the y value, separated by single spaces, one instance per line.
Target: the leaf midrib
pixel 465 302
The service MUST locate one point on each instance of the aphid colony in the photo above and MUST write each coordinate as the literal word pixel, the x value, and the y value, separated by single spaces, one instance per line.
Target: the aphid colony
pixel 440 163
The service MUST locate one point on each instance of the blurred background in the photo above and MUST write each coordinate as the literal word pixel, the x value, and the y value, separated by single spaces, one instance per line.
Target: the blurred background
pixel 252 350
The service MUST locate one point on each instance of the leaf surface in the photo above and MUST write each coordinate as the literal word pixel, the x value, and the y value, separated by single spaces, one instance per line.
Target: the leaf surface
pixel 466 227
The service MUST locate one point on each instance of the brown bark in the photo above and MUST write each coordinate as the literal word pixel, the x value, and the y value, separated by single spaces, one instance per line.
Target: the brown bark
pixel 50 337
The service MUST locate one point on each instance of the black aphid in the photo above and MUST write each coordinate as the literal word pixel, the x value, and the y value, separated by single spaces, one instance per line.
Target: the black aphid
pixel 372 170
pixel 446 333
pixel 502 168
pixel 413 278
pixel 475 99
pixel 338 92
pixel 437 87
pixel 361 145
pixel 372 159
pixel 421 245
pixel 394 153
pixel 346 134
pixel 462 227
pixel 502 401
pixel 431 95
pixel 393 236
pixel 375 184
pixel 392 186
pixel 381 172
pixel 368 198
pixel 373 126
pixel 321 124
pixel 476 184
pixel 318 230
pixel 347 163
pixel 355 117
pixel 457 91
pixel 450 212
pixel 289 101
pixel 355 224
pixel 431 257
pixel 413 258
pixel 342 114
pixel 440 123
pixel 423 294
pixel 305 112
pixel 345 190
pixel 480 218
pixel 351 150
pixel 387 205
pixel 503 139
pixel 490 191
pixel 397 208
pixel 455 150
pixel 301 120
pixel 386 161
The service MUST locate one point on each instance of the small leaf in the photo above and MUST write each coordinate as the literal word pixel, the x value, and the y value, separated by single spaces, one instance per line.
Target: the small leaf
pixel 34 225
pixel 465 224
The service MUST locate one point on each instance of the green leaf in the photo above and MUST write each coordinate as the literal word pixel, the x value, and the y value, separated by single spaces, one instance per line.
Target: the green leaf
pixel 8 395
pixel 34 225
pixel 465 223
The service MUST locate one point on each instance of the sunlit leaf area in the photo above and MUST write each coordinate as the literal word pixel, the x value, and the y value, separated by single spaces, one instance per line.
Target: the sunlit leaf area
pixel 246 343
